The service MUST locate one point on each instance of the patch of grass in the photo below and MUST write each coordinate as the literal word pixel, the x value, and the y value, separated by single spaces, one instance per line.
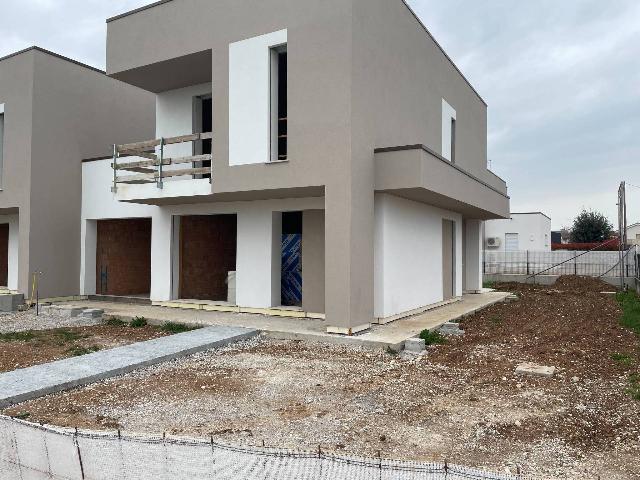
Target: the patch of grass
pixel 622 359
pixel 138 322
pixel 433 338
pixel 115 322
pixel 488 284
pixel 634 386
pixel 78 351
pixel 22 415
pixel 67 336
pixel 495 320
pixel 173 327
pixel 17 336
pixel 630 304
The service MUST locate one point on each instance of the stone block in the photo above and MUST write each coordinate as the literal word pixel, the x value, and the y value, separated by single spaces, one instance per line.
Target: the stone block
pixel 11 302
pixel 451 328
pixel 415 345
pixel 535 370
pixel 69 312
pixel 92 313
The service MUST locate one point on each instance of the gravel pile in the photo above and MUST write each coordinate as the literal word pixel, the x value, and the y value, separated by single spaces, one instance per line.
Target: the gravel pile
pixel 23 321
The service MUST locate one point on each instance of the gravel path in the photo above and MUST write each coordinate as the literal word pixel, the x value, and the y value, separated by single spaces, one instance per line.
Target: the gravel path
pixel 23 321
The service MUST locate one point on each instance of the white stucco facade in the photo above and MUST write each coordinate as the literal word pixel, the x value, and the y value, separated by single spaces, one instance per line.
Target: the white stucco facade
pixel 633 234
pixel 522 232
pixel 408 255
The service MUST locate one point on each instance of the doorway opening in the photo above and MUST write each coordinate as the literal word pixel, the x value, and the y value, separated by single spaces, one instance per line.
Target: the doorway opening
pixel 203 123
pixel 208 246
pixel 448 259
pixel 291 273
pixel 4 254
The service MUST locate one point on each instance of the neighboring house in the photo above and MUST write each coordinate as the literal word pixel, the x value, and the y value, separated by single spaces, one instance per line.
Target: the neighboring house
pixel 54 112
pixel 345 176
pixel 556 237
pixel 633 234
pixel 523 231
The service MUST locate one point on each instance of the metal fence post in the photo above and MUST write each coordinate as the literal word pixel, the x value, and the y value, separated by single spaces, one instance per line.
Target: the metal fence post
pixel 575 265
pixel 160 162
pixel 528 262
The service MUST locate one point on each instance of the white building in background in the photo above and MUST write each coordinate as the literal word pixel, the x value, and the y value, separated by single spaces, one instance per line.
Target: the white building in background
pixel 633 234
pixel 523 231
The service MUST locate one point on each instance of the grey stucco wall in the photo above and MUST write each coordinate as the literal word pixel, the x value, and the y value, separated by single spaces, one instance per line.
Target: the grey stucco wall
pixel 57 113
pixel 313 261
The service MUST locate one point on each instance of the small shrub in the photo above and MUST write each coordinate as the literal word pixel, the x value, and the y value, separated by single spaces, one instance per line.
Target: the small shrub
pixel 115 322
pixel 138 322
pixel 17 336
pixel 78 351
pixel 622 359
pixel 488 284
pixel 22 415
pixel 433 338
pixel 173 327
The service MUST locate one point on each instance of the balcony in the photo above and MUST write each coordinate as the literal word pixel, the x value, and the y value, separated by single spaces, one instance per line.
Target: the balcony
pixel 147 172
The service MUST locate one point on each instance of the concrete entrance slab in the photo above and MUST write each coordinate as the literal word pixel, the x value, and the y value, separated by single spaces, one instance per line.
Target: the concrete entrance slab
pixel 284 328
pixel 28 383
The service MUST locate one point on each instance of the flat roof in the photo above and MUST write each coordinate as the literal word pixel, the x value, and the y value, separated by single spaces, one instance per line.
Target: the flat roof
pixel 53 54
pixel 404 2
pixel 531 213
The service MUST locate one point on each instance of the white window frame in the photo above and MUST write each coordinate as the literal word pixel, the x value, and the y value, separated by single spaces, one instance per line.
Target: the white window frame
pixel 2 137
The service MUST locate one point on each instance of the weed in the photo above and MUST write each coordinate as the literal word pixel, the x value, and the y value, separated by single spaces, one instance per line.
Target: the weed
pixel 173 327
pixel 622 358
pixel 22 415
pixel 392 352
pixel 432 338
pixel 115 322
pixel 78 351
pixel 496 320
pixel 17 336
pixel 488 284
pixel 138 322
pixel 630 304
pixel 634 386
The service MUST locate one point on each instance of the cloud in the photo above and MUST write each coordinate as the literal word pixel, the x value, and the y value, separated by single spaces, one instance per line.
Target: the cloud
pixel 563 87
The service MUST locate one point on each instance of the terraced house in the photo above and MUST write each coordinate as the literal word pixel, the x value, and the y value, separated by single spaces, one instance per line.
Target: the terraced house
pixel 54 111
pixel 310 158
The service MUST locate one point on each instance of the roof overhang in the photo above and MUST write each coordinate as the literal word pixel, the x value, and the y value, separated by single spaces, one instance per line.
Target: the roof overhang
pixel 185 71
pixel 417 173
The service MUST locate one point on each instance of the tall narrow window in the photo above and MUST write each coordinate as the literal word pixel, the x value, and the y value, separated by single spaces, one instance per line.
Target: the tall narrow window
pixel 202 123
pixel 279 129
pixel 453 140
pixel 1 140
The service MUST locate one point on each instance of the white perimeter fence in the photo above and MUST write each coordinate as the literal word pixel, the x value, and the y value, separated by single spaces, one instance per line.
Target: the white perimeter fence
pixel 562 262
pixel 29 451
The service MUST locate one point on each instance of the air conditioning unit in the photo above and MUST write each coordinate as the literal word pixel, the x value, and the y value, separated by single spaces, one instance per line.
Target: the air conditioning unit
pixel 493 242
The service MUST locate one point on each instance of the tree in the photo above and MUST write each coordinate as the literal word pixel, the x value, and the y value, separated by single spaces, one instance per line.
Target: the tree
pixel 591 227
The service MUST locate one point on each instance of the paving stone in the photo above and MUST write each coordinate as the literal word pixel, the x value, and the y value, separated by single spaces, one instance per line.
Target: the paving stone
pixel 33 382
pixel 451 328
pixel 414 345
pixel 535 370
pixel 92 313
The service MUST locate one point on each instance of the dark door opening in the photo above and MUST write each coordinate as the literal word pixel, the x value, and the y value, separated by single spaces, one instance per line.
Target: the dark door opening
pixel 448 259
pixel 123 257
pixel 4 254
pixel 207 255
pixel 291 274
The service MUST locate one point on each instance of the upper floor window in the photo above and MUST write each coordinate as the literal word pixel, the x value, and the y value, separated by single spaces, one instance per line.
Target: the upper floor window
pixel 279 103
pixel 1 140
pixel 449 132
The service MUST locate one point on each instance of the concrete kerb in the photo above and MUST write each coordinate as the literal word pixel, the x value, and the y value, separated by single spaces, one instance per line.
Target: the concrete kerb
pixel 28 383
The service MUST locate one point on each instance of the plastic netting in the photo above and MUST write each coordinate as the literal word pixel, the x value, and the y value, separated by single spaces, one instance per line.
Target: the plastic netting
pixel 33 451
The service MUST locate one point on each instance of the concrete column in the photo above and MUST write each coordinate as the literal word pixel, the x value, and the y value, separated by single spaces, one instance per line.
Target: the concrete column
pixel 259 258
pixel 473 260
pixel 89 236
pixel 162 255
pixel 349 239
pixel 313 260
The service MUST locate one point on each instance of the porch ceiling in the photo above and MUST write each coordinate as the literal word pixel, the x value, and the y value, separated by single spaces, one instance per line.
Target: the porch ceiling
pixel 416 173
pixel 179 72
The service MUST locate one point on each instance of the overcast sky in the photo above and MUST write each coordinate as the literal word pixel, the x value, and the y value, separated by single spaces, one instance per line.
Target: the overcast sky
pixel 561 78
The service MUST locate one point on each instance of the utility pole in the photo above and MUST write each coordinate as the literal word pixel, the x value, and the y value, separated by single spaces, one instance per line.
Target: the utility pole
pixel 622 228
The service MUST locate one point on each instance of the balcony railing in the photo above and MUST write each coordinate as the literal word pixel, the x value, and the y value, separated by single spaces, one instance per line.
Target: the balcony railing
pixel 152 170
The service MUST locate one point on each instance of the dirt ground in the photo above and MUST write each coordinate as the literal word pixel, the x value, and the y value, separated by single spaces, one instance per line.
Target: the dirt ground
pixel 32 347
pixel 461 402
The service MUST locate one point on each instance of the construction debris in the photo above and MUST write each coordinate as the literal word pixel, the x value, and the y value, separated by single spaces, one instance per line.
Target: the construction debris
pixel 536 370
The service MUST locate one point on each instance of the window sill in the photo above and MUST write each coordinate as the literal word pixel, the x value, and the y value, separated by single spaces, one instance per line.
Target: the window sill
pixel 278 161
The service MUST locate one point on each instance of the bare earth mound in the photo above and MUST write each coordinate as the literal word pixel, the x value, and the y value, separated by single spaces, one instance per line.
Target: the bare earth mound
pixel 462 402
